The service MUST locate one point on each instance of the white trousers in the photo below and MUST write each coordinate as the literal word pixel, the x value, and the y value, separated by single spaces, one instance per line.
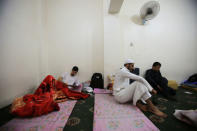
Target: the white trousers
pixel 134 92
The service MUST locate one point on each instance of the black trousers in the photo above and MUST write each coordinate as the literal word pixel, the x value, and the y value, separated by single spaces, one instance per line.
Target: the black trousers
pixel 166 90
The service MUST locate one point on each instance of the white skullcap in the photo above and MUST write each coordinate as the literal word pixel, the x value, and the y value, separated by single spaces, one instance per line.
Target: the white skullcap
pixel 129 61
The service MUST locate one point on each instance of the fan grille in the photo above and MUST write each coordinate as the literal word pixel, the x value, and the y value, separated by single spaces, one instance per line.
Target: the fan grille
pixel 149 10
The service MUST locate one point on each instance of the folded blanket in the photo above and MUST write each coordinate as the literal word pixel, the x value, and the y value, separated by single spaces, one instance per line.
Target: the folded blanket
pixel 102 91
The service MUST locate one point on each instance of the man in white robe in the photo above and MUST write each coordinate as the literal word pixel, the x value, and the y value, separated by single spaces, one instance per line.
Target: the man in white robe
pixel 139 90
pixel 71 78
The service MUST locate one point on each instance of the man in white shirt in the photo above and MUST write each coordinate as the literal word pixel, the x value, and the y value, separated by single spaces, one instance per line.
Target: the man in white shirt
pixel 138 91
pixel 71 79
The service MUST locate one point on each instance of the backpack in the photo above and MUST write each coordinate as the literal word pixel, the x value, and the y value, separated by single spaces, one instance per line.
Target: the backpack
pixel 97 81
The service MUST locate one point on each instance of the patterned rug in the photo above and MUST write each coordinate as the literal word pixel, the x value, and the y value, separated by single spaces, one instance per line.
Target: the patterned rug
pixel 81 118
pixel 185 101
pixel 110 115
pixel 54 121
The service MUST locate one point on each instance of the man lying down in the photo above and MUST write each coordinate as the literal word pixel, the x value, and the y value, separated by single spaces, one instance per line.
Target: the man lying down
pixel 137 91
pixel 45 98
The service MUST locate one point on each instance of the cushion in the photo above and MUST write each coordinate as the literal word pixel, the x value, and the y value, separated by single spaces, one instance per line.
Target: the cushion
pixel 173 84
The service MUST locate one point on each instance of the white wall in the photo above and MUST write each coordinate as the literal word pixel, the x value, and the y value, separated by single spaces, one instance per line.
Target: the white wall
pixel 75 37
pixel 20 42
pixel 113 47
pixel 170 38
pixel 47 37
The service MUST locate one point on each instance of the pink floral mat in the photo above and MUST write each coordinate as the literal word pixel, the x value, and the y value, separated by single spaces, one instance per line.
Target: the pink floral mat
pixel 102 91
pixel 110 115
pixel 54 121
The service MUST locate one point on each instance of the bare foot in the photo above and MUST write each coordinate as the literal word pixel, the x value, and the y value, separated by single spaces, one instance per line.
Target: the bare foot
pixel 142 107
pixel 157 112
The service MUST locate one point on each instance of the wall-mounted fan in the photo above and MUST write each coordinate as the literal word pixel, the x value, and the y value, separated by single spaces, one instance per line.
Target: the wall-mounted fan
pixel 149 10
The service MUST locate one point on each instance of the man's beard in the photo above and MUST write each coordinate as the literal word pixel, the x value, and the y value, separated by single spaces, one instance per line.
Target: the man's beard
pixel 132 69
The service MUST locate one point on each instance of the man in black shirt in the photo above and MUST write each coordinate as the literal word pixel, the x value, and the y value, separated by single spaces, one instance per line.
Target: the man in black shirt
pixel 159 83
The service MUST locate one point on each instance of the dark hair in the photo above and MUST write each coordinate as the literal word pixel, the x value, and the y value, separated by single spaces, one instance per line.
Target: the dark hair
pixel 75 68
pixel 156 64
